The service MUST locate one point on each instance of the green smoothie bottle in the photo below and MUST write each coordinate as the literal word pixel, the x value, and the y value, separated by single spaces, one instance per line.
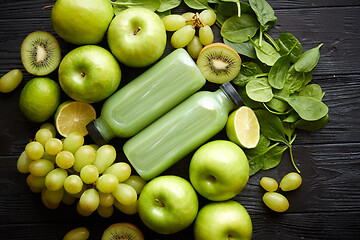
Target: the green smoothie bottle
pixel 147 97
pixel 181 130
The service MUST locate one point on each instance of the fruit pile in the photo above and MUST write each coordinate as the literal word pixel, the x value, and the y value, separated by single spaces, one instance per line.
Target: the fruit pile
pixel 67 170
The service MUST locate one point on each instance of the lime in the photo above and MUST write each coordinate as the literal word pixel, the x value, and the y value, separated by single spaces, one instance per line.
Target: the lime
pixel 72 116
pixel 39 99
pixel 243 127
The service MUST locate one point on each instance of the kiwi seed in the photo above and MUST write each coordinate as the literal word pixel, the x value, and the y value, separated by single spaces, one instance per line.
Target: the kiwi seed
pixel 40 53
pixel 122 231
pixel 219 63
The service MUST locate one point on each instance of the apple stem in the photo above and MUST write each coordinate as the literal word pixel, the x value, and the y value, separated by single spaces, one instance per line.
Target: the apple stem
pixel 82 74
pixel 137 30
pixel 229 237
pixel 160 203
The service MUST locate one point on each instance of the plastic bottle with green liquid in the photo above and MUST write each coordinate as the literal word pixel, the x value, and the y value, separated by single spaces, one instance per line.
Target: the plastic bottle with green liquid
pixel 181 130
pixel 147 97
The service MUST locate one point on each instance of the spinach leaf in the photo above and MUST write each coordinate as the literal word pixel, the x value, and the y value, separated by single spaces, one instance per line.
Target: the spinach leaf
pixel 237 2
pixel 250 69
pixel 277 104
pixel 247 101
pixel 272 157
pixel 271 126
pixel 238 29
pixel 197 4
pixel 259 90
pixel 278 72
pixel 255 165
pixel 308 108
pixel 312 90
pixel 224 11
pixel 121 5
pixel 267 53
pixel 312 125
pixel 243 48
pixel 286 41
pixel 308 59
pixel 168 5
pixel 292 117
pixel 296 80
pixel 264 12
pixel 163 14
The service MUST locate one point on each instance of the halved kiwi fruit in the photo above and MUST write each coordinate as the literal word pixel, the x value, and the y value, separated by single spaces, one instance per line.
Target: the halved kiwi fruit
pixel 219 63
pixel 40 53
pixel 122 231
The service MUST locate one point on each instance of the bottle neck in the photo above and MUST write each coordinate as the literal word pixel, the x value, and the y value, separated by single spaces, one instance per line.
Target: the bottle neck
pixel 224 100
pixel 100 131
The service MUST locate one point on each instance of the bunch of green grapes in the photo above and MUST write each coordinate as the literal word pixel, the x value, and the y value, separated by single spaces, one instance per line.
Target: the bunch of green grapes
pixel 67 171
pixel 185 30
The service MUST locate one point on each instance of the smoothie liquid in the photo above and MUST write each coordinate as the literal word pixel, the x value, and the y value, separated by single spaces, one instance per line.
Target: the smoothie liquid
pixel 180 131
pixel 147 97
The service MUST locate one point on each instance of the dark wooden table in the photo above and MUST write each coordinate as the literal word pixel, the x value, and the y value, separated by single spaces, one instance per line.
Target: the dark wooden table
pixel 326 206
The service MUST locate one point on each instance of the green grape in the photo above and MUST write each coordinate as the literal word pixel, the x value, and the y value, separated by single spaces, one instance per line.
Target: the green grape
pixel 85 155
pixel 73 142
pixel 194 47
pixel 89 200
pixel 208 17
pixel 105 212
pixel 276 201
pixel 189 18
pixel 23 163
pixel 183 36
pixel 49 157
pixel 52 198
pixel 269 184
pixel 174 22
pixel 105 156
pixel 81 211
pixel 290 181
pixel 73 184
pixel 125 194
pixel 107 183
pixel 127 209
pixel 42 135
pixel 106 199
pixel 10 80
pixel 35 182
pixel 136 182
pixel 49 126
pixel 121 170
pixel 34 150
pixel 55 179
pixel 80 233
pixel 89 174
pixel 206 35
pixel 53 146
pixel 68 199
pixel 65 159
pixel 40 167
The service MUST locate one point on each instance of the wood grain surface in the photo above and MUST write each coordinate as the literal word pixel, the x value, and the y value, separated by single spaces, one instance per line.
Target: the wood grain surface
pixel 326 206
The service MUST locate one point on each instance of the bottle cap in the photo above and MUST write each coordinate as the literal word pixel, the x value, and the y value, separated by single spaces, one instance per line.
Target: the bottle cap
pixel 232 93
pixel 95 134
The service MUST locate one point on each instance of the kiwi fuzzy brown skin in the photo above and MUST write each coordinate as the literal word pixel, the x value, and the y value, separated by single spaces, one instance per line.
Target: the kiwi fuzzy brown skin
pixel 40 53
pixel 221 52
pixel 122 231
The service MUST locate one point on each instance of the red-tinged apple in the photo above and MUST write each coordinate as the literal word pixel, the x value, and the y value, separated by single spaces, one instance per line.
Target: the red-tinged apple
pixel 137 37
pixel 227 220
pixel 219 170
pixel 89 74
pixel 81 22
pixel 168 204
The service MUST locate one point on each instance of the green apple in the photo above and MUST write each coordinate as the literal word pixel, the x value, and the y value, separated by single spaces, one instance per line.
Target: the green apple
pixel 223 221
pixel 137 37
pixel 81 22
pixel 89 74
pixel 168 204
pixel 219 170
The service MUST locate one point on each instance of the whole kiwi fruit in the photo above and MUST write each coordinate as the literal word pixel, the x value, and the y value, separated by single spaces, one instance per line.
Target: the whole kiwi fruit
pixel 40 53
pixel 122 231
pixel 219 63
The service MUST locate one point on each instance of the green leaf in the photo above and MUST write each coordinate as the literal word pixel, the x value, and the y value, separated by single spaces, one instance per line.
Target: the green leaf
pixel 312 125
pixel 237 2
pixel 286 41
pixel 168 5
pixel 277 104
pixel 292 117
pixel 259 90
pixel 273 157
pixel 163 14
pixel 243 48
pixel 308 60
pixel 308 108
pixel 267 53
pixel 264 12
pixel 312 90
pixel 121 5
pixel 238 29
pixel 278 72
pixel 271 126
pixel 296 80
pixel 197 4
pixel 246 100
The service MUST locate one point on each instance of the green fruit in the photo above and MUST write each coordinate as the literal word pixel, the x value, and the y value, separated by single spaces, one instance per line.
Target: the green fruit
pixel 290 181
pixel 39 99
pixel 122 231
pixel 10 80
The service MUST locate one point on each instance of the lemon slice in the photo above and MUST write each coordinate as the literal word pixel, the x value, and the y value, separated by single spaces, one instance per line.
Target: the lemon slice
pixel 243 127
pixel 72 116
